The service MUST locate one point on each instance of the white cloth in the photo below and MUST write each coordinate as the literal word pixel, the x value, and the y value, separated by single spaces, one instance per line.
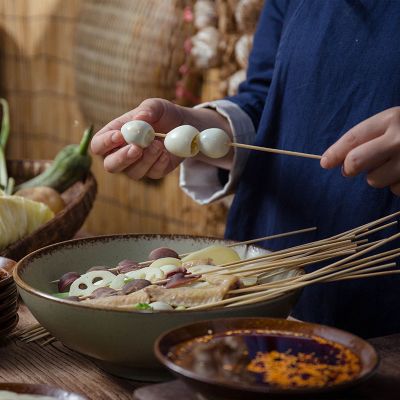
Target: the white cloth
pixel 198 179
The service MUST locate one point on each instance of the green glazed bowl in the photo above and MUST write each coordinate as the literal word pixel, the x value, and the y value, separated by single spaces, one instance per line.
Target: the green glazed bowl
pixel 120 341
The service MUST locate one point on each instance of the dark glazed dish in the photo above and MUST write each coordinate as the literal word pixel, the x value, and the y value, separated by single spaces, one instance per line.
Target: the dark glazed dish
pixel 246 357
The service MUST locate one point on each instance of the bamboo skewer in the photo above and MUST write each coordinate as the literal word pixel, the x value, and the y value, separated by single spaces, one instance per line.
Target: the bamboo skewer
pixel 276 255
pixel 276 151
pixel 261 148
pixel 345 269
pixel 255 298
pixel 371 275
pixel 279 291
pixel 365 227
pixel 359 264
pixel 276 236
pixel 279 235
pixel 379 228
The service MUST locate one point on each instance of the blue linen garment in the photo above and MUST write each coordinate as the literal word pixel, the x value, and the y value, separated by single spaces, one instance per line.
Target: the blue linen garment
pixel 317 68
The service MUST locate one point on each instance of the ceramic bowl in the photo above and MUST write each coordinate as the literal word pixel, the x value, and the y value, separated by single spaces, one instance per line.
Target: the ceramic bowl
pixel 120 341
pixel 218 385
pixel 44 390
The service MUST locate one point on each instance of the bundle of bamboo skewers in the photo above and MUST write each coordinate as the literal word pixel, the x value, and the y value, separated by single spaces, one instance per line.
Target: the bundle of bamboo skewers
pixel 348 249
pixel 346 253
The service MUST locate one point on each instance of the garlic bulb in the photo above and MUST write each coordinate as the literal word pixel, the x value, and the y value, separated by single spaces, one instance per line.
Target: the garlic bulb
pixel 205 13
pixel 138 132
pixel 182 141
pixel 205 47
pixel 247 13
pixel 242 50
pixel 214 143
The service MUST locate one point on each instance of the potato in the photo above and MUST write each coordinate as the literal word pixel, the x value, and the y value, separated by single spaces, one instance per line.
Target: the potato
pixel 44 194
pixel 166 261
pixel 219 255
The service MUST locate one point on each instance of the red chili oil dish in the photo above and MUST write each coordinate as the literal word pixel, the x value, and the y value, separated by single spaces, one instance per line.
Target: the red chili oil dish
pixel 265 357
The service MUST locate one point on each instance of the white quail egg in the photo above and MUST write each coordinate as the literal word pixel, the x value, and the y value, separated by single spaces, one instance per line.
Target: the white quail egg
pixel 138 132
pixel 182 141
pixel 214 143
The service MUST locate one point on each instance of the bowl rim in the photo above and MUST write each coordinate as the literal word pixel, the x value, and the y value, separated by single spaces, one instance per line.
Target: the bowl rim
pixel 21 264
pixel 187 374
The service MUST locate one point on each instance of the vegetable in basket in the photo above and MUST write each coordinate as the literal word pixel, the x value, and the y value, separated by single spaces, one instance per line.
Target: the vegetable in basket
pixel 6 183
pixel 70 165
pixel 19 217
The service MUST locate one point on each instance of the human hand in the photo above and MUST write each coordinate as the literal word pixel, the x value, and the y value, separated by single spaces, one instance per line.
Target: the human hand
pixel 153 162
pixel 372 146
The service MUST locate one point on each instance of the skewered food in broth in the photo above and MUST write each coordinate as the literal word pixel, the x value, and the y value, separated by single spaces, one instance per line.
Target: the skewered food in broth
pixel 166 284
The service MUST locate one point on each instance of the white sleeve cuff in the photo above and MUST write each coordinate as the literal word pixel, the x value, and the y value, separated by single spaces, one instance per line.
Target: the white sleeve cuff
pixel 198 179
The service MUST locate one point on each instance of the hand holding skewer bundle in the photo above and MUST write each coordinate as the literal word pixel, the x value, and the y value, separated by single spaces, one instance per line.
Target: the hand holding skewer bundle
pixel 186 141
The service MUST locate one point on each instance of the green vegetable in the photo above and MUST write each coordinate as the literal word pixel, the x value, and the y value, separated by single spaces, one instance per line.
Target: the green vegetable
pixel 4 133
pixel 143 306
pixel 70 165
pixel 61 295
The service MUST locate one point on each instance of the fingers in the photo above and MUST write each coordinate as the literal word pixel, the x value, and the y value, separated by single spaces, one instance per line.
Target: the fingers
pixel 107 142
pixel 386 175
pixel 109 137
pixel 368 156
pixel 365 131
pixel 159 168
pixel 122 158
pixel 150 156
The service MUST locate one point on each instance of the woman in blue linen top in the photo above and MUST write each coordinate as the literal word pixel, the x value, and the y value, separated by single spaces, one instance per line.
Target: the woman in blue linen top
pixel 317 69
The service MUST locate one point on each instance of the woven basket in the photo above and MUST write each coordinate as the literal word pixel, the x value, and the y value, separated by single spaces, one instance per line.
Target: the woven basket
pixel 79 199
pixel 126 51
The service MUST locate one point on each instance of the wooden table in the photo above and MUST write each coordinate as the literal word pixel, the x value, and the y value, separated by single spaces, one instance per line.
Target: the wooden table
pixel 55 365
pixel 58 366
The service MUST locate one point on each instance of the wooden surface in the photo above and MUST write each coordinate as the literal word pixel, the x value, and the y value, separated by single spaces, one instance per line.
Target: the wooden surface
pixel 55 365
pixel 38 76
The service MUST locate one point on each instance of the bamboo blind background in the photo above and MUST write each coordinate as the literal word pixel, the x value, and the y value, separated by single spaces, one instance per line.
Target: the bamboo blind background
pixel 38 76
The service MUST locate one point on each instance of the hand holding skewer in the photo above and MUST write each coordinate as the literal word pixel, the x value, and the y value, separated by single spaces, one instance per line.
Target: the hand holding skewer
pixel 186 141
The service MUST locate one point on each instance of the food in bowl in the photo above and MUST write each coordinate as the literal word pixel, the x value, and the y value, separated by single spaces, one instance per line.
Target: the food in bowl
pixel 165 283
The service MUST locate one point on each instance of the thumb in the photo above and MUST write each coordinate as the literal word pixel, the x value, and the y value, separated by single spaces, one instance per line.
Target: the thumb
pixel 149 110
